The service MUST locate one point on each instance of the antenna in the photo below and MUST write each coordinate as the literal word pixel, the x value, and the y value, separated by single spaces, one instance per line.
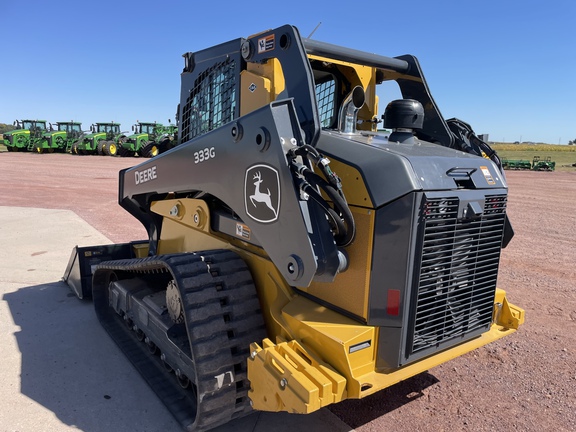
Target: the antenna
pixel 313 31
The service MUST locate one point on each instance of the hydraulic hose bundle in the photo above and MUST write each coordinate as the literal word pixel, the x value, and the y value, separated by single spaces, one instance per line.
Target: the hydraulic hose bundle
pixel 468 142
pixel 309 182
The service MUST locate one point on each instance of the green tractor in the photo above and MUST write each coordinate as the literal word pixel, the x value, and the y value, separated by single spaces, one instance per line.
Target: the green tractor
pixel 148 140
pixel 102 140
pixel 60 139
pixel 25 135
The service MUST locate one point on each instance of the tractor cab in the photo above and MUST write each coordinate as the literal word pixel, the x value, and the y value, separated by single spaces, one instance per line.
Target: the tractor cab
pixel 110 129
pixel 72 129
pixel 144 128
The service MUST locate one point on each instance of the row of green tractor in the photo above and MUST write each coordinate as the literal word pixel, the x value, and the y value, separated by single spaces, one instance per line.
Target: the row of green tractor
pixel 146 140
pixel 537 164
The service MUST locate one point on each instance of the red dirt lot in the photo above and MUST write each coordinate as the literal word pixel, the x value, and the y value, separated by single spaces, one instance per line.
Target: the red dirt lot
pixel 525 382
pixel 87 185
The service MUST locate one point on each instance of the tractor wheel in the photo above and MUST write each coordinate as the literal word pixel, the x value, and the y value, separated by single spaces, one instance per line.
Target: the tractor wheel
pixel 165 145
pixel 101 148
pixel 111 149
pixel 39 150
pixel 143 145
pixel 124 152
pixel 60 146
pixel 150 150
pixel 120 149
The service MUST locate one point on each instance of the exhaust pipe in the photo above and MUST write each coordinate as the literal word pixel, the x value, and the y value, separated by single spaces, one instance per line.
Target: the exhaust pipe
pixel 348 115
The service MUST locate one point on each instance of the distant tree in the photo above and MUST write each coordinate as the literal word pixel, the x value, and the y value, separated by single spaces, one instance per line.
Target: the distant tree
pixel 5 127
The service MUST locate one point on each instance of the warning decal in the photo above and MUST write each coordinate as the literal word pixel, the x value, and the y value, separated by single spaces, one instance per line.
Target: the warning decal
pixel 243 231
pixel 487 175
pixel 266 44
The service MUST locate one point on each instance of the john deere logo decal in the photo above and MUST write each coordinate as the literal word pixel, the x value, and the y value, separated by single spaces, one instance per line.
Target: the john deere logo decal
pixel 262 193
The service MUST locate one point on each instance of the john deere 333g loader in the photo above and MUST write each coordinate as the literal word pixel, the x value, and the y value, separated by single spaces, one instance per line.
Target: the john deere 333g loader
pixel 296 256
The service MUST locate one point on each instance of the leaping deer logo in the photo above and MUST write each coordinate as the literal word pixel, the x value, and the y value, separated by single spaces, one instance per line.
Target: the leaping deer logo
pixel 261 196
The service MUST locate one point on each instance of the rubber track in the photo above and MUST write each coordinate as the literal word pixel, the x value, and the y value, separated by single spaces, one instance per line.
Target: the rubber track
pixel 222 317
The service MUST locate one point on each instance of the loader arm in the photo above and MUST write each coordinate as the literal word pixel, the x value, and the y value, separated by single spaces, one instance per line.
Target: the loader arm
pixel 225 164
pixel 222 142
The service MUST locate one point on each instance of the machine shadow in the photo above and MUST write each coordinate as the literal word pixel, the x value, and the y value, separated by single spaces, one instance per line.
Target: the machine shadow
pixel 71 367
pixel 358 412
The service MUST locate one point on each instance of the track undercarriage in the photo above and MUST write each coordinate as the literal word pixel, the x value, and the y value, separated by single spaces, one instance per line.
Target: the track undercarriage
pixel 200 312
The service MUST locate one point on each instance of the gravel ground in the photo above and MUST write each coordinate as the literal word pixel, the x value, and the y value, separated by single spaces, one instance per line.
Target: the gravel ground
pixel 523 382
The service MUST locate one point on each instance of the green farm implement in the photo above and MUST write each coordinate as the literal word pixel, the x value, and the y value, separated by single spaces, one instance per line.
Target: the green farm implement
pixel 516 164
pixel 25 135
pixel 102 140
pixel 537 164
pixel 61 138
pixel 148 140
pixel 543 165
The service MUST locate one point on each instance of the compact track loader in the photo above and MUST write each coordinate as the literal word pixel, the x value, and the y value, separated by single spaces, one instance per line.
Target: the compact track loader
pixel 297 256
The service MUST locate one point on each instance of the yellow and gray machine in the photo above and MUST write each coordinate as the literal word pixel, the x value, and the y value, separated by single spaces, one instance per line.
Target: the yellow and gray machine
pixel 296 256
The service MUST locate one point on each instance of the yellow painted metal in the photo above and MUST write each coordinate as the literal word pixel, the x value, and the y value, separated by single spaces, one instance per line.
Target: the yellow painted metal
pixel 353 184
pixel 505 314
pixel 260 84
pixel 333 336
pixel 350 289
pixel 273 291
pixel 140 250
pixel 259 96
pixel 323 356
pixel 364 76
pixel 324 334
pixel 378 380
pixel 185 226
pixel 285 377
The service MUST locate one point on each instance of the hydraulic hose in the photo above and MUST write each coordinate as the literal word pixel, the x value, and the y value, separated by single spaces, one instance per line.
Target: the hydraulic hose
pixel 347 230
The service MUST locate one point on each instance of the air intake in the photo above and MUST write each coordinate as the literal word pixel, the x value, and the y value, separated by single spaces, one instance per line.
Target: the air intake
pixel 455 280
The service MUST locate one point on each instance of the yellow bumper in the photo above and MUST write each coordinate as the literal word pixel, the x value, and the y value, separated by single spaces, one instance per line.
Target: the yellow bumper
pixel 302 377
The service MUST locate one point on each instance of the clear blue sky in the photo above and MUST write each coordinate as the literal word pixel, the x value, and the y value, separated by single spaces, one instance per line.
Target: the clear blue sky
pixel 507 67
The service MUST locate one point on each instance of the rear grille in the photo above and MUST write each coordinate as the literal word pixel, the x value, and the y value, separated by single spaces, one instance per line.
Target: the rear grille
pixel 457 273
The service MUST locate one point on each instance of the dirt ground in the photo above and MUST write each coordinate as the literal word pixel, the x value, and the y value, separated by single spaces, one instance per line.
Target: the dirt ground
pixel 525 382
